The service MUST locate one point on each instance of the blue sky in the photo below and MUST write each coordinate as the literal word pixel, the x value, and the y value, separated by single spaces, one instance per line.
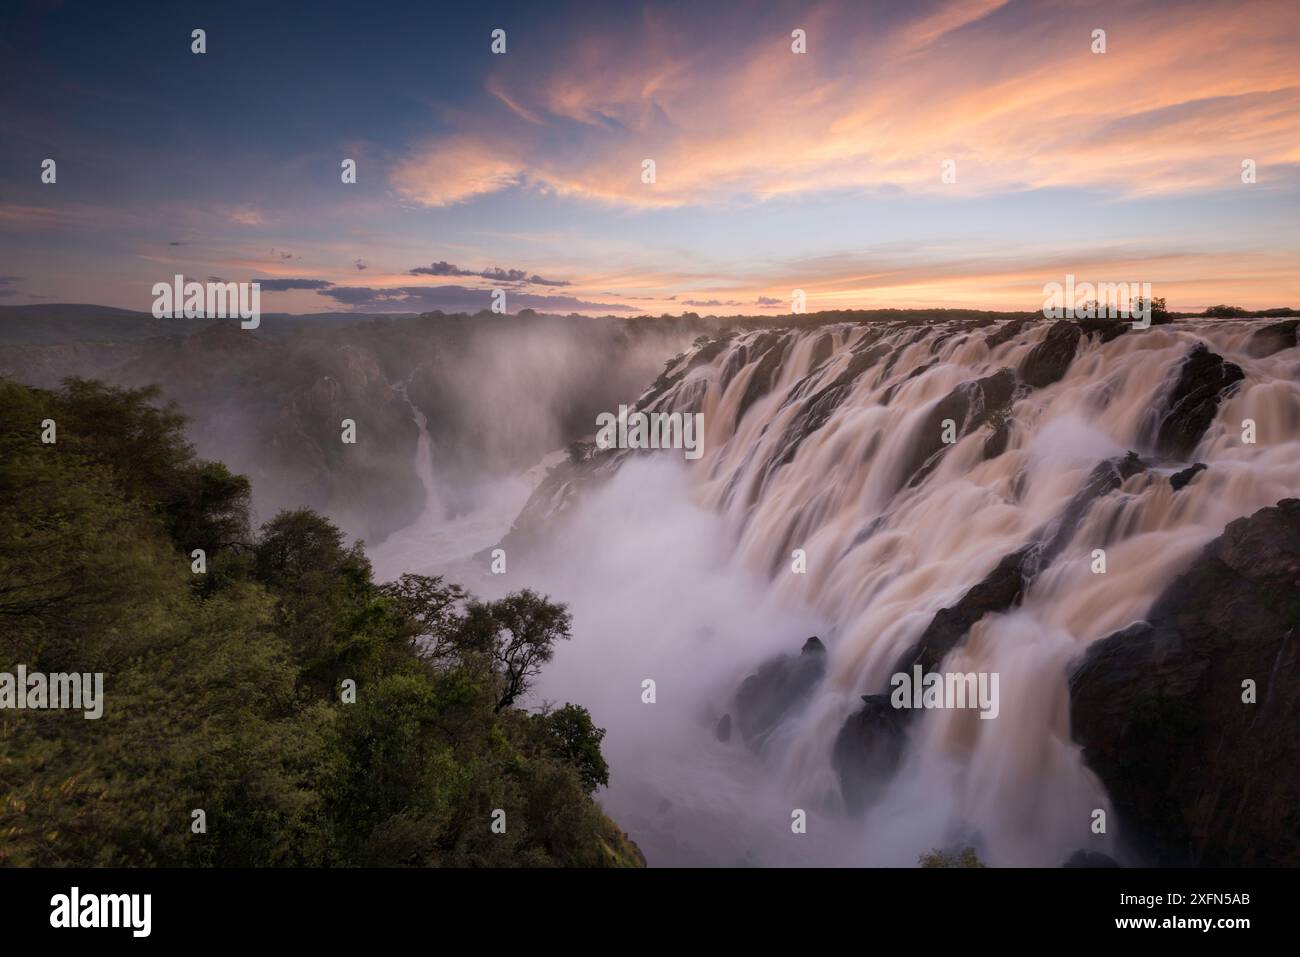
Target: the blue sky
pixel 775 170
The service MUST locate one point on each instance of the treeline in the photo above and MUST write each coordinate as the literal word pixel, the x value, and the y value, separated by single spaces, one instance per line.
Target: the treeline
pixel 227 690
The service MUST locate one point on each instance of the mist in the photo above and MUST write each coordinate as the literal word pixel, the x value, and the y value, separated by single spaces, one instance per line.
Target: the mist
pixel 679 572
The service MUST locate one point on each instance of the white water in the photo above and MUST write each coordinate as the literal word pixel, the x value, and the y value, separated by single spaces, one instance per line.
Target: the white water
pixel 437 543
pixel 670 576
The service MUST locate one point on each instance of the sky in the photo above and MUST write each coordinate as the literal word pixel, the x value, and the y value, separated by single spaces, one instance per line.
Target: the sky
pixel 822 171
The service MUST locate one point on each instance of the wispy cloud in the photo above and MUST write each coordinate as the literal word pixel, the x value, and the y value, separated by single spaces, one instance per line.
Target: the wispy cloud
pixel 1015 97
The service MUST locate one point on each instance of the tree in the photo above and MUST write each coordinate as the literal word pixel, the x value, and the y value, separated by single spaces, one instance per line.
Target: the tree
pixel 321 586
pixel 966 857
pixel 228 699
pixel 1159 311
pixel 210 509
pixel 519 633
pixel 576 740
pixel 430 605
pixel 126 430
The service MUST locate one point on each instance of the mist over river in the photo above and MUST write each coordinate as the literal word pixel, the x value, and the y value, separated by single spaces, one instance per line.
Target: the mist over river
pixel 820 439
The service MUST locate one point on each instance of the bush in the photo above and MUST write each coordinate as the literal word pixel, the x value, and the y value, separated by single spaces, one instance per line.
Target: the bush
pixel 224 696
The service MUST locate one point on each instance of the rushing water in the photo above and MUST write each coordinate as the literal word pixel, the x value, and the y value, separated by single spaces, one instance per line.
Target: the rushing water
pixel 681 572
pixel 440 542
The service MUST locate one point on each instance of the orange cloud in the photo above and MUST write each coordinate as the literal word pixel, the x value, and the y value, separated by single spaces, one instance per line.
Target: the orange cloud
pixel 457 169
pixel 1179 99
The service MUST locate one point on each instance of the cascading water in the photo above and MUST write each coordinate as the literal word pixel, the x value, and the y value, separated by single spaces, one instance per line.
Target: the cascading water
pixel 439 543
pixel 826 440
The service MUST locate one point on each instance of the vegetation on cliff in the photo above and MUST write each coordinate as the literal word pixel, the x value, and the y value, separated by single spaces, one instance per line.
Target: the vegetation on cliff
pixel 225 691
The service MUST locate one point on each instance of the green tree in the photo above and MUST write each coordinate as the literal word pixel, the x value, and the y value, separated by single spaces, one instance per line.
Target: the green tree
pixel 966 857
pixel 519 632
pixel 576 739
pixel 224 697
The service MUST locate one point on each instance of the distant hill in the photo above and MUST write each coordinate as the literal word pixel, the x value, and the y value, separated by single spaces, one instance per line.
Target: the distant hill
pixel 60 323
pixel 47 324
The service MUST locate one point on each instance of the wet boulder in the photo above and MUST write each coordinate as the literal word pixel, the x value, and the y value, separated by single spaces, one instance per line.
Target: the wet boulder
pixel 777 691
pixel 1180 480
pixel 1273 338
pixel 1189 718
pixel 971 406
pixel 1104 329
pixel 766 355
pixel 822 350
pixel 1108 476
pixel 822 404
pixel 723 730
pixel 1005 333
pixel 999 590
pixel 868 750
pixel 1202 382
pixel 1048 361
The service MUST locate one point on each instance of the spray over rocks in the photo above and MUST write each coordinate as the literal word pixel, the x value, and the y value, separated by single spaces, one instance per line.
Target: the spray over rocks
pixel 931 499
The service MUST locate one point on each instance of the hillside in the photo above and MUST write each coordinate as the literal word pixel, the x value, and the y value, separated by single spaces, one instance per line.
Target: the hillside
pixel 265 703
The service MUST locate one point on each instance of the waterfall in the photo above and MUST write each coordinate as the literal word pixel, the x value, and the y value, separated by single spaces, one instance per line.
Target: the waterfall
pixel 438 543
pixel 423 451
pixel 827 440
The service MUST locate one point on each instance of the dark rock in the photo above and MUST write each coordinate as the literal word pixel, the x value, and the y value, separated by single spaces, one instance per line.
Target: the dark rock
pixel 1273 338
pixel 865 747
pixel 1204 379
pixel 1008 332
pixel 997 441
pixel 813 646
pixel 1196 775
pixel 1104 479
pixel 777 691
pixel 706 353
pixel 1179 480
pixel 822 350
pixel 1106 329
pixel 818 409
pixel 737 359
pixel 970 405
pixel 1048 361
pixel 723 731
pixel 917 372
pixel 767 352
pixel 1000 589
pixel 1004 586
pixel 1082 858
pixel 868 750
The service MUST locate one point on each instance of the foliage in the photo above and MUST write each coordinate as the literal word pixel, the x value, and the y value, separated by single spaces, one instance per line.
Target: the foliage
pixel 966 857
pixel 577 742
pixel 1226 312
pixel 222 691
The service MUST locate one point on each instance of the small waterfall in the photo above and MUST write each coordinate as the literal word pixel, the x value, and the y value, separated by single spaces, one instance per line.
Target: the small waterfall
pixel 423 451
pixel 440 544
